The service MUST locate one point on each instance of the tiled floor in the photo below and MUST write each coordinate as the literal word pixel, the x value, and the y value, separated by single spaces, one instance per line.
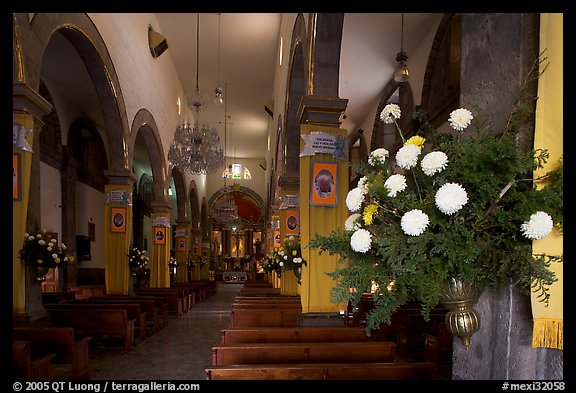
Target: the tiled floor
pixel 180 351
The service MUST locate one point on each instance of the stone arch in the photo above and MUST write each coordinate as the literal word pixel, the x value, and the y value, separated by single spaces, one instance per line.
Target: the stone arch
pixel 181 196
pixel 144 123
pixel 30 41
pixel 441 86
pixel 406 103
pixel 194 205
pixel 297 89
pixel 237 188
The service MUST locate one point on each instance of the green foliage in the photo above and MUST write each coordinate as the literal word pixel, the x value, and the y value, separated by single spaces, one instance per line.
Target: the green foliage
pixel 482 242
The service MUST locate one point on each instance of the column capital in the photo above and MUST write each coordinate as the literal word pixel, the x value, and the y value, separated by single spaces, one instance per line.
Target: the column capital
pixel 324 111
pixel 26 100
pixel 120 176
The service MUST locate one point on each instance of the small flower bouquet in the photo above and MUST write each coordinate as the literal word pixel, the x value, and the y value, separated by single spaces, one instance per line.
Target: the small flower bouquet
pixel 172 264
pixel 289 255
pixel 447 205
pixel 37 251
pixel 137 259
pixel 271 263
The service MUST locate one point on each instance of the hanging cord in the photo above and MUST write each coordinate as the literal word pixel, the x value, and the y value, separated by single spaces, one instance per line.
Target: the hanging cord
pixel 197 48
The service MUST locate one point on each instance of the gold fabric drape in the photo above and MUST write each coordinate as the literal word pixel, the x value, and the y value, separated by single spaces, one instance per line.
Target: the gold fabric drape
pixel 316 285
pixel 548 321
pixel 19 213
pixel 159 270
pixel 117 245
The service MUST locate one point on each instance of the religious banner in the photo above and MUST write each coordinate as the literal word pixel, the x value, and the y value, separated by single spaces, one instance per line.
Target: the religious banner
pixel 181 243
pixel 159 235
pixel 323 142
pixel 118 219
pixel 324 188
pixel 292 223
pixel 277 240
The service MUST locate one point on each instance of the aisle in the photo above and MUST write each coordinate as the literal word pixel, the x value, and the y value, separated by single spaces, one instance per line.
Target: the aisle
pixel 180 351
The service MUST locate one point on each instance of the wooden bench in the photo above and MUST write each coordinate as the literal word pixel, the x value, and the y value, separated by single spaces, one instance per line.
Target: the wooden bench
pixel 292 334
pixel 59 341
pixel 271 299
pixel 149 306
pixel 262 317
pixel 267 306
pixel 284 353
pixel 26 366
pixel 57 297
pixel 173 297
pixel 97 322
pixel 323 371
pixel 133 310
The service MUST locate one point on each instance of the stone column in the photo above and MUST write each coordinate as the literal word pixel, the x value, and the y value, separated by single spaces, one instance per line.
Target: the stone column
pixel 28 109
pixel 161 241
pixel 497 51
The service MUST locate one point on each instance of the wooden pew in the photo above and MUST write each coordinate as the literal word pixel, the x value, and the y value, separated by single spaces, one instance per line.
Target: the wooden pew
pixel 26 366
pixel 292 334
pixel 57 297
pixel 174 297
pixel 267 299
pixel 262 317
pixel 284 353
pixel 149 306
pixel 323 371
pixel 133 312
pixel 267 306
pixel 59 341
pixel 438 348
pixel 97 322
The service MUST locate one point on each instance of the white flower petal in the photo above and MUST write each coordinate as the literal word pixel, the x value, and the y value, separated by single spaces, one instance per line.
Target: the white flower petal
pixel 460 119
pixel 414 222
pixel 354 199
pixel 538 227
pixel 434 162
pixel 395 184
pixel 407 156
pixel 361 240
pixel 450 198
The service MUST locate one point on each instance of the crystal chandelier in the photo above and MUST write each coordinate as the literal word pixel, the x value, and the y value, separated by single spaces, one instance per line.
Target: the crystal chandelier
pixel 196 148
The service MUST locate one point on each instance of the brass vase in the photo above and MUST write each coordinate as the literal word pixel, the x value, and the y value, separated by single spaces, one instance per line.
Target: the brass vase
pixel 40 272
pixel 298 274
pixel 459 298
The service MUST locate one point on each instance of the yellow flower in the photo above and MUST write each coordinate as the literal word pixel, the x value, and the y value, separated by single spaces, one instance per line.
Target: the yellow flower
pixel 40 261
pixel 369 213
pixel 417 141
pixel 294 253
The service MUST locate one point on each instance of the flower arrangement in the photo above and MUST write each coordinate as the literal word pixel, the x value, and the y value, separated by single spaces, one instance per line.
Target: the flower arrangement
pixel 137 259
pixel 37 251
pixel 448 206
pixel 271 263
pixel 172 264
pixel 289 255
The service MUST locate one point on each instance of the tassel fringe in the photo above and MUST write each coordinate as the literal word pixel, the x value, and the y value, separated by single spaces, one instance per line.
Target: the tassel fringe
pixel 548 333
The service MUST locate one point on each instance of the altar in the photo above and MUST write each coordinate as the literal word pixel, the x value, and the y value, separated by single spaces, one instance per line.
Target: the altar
pixel 234 277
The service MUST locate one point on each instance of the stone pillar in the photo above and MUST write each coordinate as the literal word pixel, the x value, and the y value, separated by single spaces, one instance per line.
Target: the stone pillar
pixel 321 115
pixel 118 218
pixel 195 236
pixel 28 109
pixel 289 185
pixel 161 241
pixel 182 251
pixel 497 51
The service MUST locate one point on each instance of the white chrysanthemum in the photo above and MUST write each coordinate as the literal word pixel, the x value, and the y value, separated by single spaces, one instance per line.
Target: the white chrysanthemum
pixel 352 223
pixel 389 113
pixel 539 225
pixel 363 183
pixel 407 156
pixel 450 198
pixel 395 184
pixel 378 156
pixel 354 199
pixel 414 222
pixel 281 264
pixel 460 119
pixel 361 240
pixel 434 162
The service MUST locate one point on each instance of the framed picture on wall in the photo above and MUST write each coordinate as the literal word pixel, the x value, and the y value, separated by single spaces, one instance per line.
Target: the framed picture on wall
pixel 277 240
pixel 92 231
pixel 324 187
pixel 118 219
pixel 16 183
pixel 195 250
pixel 160 235
pixel 181 243
pixel 292 222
